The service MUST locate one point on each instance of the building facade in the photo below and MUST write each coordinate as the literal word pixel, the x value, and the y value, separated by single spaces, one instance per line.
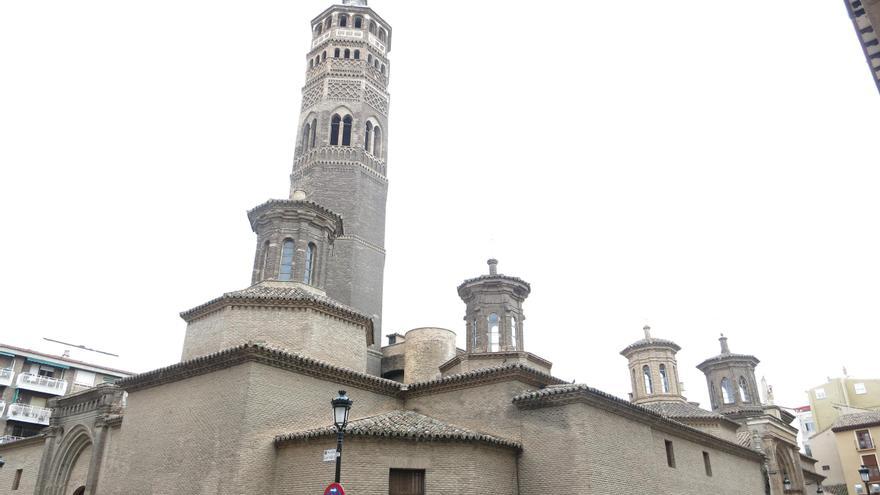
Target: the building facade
pixel 865 15
pixel 246 410
pixel 29 379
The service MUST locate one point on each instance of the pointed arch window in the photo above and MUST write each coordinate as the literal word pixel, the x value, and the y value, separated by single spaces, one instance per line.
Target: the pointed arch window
pixel 646 376
pixel 664 379
pixel 328 23
pixel 346 130
pixel 494 333
pixel 383 69
pixel 314 137
pixel 377 142
pixel 357 54
pixel 335 123
pixel 311 64
pixel 311 252
pixel 336 53
pixel 343 20
pixel 318 29
pixel 347 54
pixel 368 136
pixel 287 250
pixel 727 396
pixel 382 35
pixel 369 58
pixel 744 390
pixel 513 343
pixel 373 27
pixel 307 132
pixel 358 22
pixel 324 55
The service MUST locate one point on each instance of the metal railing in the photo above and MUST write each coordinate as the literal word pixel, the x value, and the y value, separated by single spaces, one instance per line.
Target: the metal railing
pixel 8 438
pixel 29 414
pixel 41 383
pixel 6 375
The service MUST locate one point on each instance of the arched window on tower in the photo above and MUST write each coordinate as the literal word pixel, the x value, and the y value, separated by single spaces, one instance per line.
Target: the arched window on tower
pixel 324 56
pixel 286 271
pixel 343 20
pixel 358 22
pixel 646 376
pixel 309 275
pixel 474 335
pixel 369 58
pixel 368 136
pixel 513 332
pixel 377 142
pixel 311 64
pixel 318 29
pixel 373 27
pixel 328 23
pixel 727 396
pixel 357 54
pixel 336 53
pixel 494 333
pixel 382 70
pixel 664 379
pixel 314 133
pixel 744 390
pixel 334 129
pixel 347 54
pixel 382 35
pixel 346 130
pixel 307 132
pixel 376 63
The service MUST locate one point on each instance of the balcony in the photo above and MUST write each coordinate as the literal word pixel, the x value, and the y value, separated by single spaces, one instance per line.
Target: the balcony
pixel 8 438
pixel 42 384
pixel 29 414
pixel 6 375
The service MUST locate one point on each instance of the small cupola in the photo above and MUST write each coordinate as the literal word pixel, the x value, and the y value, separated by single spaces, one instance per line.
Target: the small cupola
pixel 494 313
pixel 653 369
pixel 731 380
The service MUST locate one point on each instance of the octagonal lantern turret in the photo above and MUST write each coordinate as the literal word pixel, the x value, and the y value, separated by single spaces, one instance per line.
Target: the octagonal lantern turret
pixel 494 312
pixel 653 369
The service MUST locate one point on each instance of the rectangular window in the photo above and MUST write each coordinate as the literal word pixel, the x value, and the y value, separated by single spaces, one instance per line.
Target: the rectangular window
pixel 406 482
pixel 860 388
pixel 820 393
pixel 670 454
pixel 84 378
pixel 826 468
pixel 864 440
pixel 870 462
pixel 707 463
pixel 17 479
pixel 809 427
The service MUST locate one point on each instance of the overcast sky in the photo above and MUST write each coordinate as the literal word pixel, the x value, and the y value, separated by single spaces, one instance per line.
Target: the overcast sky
pixel 702 167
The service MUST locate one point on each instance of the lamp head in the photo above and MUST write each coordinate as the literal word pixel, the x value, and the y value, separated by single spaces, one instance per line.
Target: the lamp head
pixel 865 473
pixel 341 405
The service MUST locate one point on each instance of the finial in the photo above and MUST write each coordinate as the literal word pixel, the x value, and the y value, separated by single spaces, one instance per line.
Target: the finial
pixel 647 330
pixel 724 348
pixel 493 266
pixel 355 2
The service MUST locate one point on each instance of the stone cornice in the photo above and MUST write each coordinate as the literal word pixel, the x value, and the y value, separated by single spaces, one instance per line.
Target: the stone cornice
pixel 476 378
pixel 516 285
pixel 649 343
pixel 306 209
pixel 251 352
pixel 571 394
pixel 728 358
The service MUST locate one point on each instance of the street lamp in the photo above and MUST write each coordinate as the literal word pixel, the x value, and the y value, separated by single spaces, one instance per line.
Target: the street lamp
pixel 341 405
pixel 2 462
pixel 865 473
pixel 786 484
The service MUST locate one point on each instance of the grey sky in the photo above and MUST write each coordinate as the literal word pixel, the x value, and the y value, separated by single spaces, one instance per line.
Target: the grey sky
pixel 698 166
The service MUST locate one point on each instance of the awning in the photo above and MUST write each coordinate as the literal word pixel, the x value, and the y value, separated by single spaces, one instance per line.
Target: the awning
pixel 48 363
pixel 7 354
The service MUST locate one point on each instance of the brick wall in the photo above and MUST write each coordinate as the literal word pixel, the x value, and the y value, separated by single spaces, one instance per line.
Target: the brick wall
pixel 25 456
pixel 451 468
pixel 303 331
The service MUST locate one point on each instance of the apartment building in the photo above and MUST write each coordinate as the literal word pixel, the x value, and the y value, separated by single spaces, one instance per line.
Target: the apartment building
pixel 28 379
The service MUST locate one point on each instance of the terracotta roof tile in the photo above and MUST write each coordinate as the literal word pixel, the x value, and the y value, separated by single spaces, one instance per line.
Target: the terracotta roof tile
pixel 407 425
pixel 856 420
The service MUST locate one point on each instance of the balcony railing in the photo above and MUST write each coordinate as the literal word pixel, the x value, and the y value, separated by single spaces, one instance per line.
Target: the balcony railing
pixel 6 375
pixel 79 387
pixel 338 154
pixel 43 384
pixel 29 414
pixel 8 438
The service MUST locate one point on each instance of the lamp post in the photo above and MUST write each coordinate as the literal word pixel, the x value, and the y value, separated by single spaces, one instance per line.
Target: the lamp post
pixel 341 405
pixel 786 484
pixel 865 474
pixel 2 462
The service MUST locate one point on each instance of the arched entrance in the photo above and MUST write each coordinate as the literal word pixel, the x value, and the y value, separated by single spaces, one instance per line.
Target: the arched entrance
pixel 80 491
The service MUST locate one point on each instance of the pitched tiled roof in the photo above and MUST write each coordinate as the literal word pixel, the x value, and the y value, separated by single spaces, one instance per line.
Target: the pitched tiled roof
pixel 577 392
pixel 728 356
pixel 524 373
pixel 273 295
pixel 407 425
pixel 856 420
pixel 650 342
pixel 680 409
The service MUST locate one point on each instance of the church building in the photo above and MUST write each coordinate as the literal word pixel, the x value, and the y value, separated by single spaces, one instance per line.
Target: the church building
pixel 247 408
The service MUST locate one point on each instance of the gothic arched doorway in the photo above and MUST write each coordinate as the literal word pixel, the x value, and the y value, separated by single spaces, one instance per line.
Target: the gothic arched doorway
pixel 80 491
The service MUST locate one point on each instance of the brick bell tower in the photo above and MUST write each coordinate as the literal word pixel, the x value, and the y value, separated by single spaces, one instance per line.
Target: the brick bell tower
pixel 340 159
